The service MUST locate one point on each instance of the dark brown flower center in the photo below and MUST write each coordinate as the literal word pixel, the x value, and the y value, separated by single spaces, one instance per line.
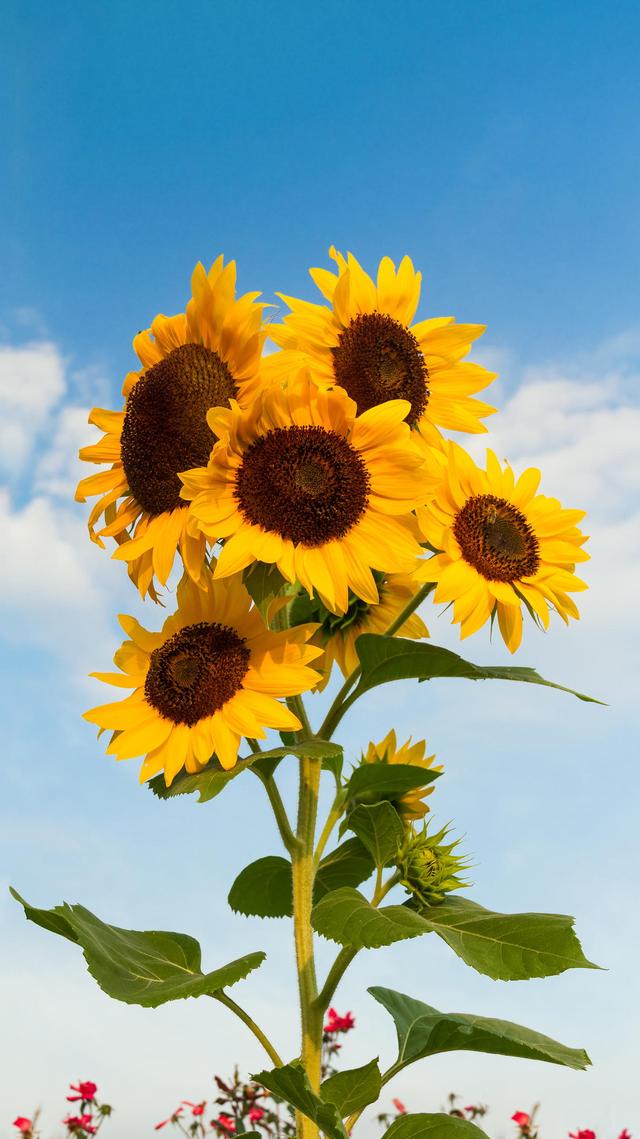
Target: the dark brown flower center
pixel 307 484
pixel 496 539
pixel 378 359
pixel 165 427
pixel 196 672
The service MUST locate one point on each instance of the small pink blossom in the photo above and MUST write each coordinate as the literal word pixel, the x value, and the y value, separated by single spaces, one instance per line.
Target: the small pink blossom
pixel 256 1114
pixel 521 1118
pixel 399 1106
pixel 171 1119
pixel 23 1124
pixel 337 1023
pixel 86 1090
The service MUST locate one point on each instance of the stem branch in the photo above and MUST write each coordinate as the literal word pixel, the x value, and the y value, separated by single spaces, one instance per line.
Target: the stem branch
pixel 226 1000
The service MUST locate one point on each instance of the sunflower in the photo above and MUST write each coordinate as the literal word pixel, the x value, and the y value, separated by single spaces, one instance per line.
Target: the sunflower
pixel 212 675
pixel 338 633
pixel 500 546
pixel 199 359
pixel 301 481
pixel 365 343
pixel 411 805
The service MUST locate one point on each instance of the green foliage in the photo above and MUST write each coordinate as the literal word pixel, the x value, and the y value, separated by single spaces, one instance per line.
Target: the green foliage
pixel 423 1031
pixel 139 967
pixel 395 658
pixel 380 828
pixel 291 1084
pixel 373 782
pixel 265 887
pixel 353 1089
pixel 210 782
pixel 264 583
pixel 506 947
pixel 433 1126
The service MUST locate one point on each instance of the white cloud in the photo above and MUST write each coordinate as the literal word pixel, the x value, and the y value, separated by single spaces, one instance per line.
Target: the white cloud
pixel 59 469
pixel 32 382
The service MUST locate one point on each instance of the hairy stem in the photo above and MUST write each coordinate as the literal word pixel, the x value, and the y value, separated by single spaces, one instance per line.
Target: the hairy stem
pixel 226 1000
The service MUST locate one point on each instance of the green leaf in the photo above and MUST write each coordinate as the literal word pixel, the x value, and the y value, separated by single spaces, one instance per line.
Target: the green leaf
pixel 395 658
pixel 506 947
pixel 291 1083
pixel 353 1089
pixel 263 889
pixel 210 782
pixel 140 967
pixel 423 1031
pixel 380 829
pixel 377 781
pixel 438 1125
pixel 348 865
pixel 264 583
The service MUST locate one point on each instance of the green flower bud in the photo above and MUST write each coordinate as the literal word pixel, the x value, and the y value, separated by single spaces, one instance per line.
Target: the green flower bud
pixel 428 867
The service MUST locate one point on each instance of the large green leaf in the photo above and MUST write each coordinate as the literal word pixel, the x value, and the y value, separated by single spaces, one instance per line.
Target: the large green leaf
pixel 265 887
pixel 353 1089
pixel 395 658
pixel 214 778
pixel 291 1084
pixel 264 583
pixel 380 828
pixel 507 947
pixel 373 782
pixel 433 1126
pixel 348 865
pixel 140 967
pixel 423 1031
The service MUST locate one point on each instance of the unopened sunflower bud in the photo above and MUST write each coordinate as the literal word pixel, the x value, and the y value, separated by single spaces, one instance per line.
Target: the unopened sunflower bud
pixel 428 867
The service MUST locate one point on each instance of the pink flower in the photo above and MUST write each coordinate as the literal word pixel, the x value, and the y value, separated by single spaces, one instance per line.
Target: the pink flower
pixel 257 1113
pixel 624 1134
pixel 337 1023
pixel 80 1123
pixel 226 1123
pixel 23 1124
pixel 196 1108
pixel 399 1106
pixel 521 1118
pixel 86 1090
pixel 171 1119
pixel 585 1134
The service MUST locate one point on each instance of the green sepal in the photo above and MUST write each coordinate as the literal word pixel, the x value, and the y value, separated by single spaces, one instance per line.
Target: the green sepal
pixel 145 968
pixel 423 1031
pixel 291 1084
pixel 395 658
pixel 380 828
pixel 353 1089
pixel 506 947
pixel 436 1125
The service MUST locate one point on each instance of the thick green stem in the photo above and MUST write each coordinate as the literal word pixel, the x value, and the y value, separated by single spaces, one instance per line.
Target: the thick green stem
pixel 251 1024
pixel 303 876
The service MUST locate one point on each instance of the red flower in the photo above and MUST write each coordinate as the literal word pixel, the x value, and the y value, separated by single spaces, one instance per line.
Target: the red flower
pixel 226 1123
pixel 257 1113
pixel 337 1023
pixel 23 1124
pixel 585 1134
pixel 196 1108
pixel 80 1123
pixel 399 1106
pixel 522 1119
pixel 86 1091
pixel 624 1134
pixel 171 1119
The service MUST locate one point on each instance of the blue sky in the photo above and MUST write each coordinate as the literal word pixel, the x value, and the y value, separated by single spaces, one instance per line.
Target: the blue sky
pixel 498 145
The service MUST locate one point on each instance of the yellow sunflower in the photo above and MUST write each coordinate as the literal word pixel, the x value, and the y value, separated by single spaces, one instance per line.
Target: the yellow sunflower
pixel 500 545
pixel 199 359
pixel 338 634
pixel 365 343
pixel 302 481
pixel 411 805
pixel 214 674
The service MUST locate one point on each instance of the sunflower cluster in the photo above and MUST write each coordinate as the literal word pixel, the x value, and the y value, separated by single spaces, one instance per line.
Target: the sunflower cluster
pixel 326 460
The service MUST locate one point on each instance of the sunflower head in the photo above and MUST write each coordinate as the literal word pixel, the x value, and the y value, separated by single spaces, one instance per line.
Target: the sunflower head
pixel 301 481
pixel 428 867
pixel 366 342
pixel 213 674
pixel 411 805
pixel 499 547
pixel 199 359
